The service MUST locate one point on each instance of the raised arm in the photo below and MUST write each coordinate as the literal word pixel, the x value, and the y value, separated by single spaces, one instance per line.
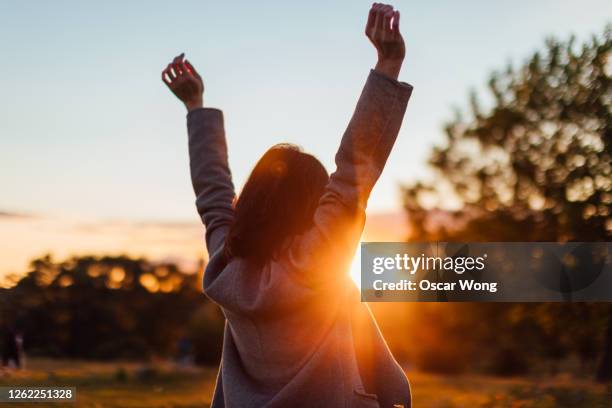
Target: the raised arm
pixel 210 173
pixel 339 219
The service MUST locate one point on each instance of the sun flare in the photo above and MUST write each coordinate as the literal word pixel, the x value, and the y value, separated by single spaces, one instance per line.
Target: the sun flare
pixel 355 270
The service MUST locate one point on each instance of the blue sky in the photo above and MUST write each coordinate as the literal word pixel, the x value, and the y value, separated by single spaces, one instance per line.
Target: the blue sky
pixel 87 128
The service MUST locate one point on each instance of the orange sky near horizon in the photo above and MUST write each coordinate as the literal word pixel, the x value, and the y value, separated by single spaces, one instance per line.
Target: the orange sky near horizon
pixel 28 237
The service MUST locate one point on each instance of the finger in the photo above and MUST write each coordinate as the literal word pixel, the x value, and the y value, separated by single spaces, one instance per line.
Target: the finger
pixel 176 67
pixel 396 21
pixel 181 68
pixel 171 74
pixel 387 20
pixel 177 63
pixel 371 19
pixel 378 19
pixel 185 70
pixel 178 58
pixel 165 77
pixel 189 67
pixel 192 70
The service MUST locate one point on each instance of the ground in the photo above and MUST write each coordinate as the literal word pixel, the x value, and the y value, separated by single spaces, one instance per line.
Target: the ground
pixel 168 385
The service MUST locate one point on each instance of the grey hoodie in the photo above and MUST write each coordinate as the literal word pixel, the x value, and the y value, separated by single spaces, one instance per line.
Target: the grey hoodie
pixel 296 333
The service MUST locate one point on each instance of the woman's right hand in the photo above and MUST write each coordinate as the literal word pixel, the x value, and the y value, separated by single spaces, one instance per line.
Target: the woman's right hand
pixel 184 82
pixel 383 31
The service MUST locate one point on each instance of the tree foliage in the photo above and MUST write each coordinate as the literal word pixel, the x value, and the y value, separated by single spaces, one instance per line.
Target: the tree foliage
pixel 542 151
pixel 110 308
pixel 534 165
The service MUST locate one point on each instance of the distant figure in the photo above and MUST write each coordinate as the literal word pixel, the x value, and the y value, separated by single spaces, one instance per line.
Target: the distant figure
pixel 296 333
pixel 12 346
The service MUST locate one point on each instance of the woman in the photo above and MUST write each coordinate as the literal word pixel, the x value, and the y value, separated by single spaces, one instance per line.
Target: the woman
pixel 296 333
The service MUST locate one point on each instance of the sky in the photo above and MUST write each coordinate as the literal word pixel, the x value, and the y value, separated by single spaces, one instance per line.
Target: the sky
pixel 87 128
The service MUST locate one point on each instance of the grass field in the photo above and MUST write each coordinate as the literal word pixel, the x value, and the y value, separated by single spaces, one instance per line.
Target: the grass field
pixel 165 385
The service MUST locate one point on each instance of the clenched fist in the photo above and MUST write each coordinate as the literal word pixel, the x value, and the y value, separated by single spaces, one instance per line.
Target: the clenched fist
pixel 383 31
pixel 184 82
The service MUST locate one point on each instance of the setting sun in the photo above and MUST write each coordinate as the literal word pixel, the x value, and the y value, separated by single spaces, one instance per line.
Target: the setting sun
pixel 356 267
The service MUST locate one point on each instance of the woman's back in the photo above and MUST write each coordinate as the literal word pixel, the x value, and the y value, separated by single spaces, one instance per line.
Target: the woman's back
pixel 279 327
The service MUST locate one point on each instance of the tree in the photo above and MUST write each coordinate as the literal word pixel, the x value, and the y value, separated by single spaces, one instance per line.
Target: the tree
pixel 543 150
pixel 536 160
pixel 109 308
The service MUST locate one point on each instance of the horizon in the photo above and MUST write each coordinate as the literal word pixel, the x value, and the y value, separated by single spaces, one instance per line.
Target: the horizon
pixel 179 242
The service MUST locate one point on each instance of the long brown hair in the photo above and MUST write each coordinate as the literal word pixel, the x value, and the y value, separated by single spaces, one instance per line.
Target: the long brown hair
pixel 277 201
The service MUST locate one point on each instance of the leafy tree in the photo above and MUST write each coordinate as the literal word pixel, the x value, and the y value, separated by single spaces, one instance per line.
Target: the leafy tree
pixel 534 165
pixel 541 152
pixel 108 308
